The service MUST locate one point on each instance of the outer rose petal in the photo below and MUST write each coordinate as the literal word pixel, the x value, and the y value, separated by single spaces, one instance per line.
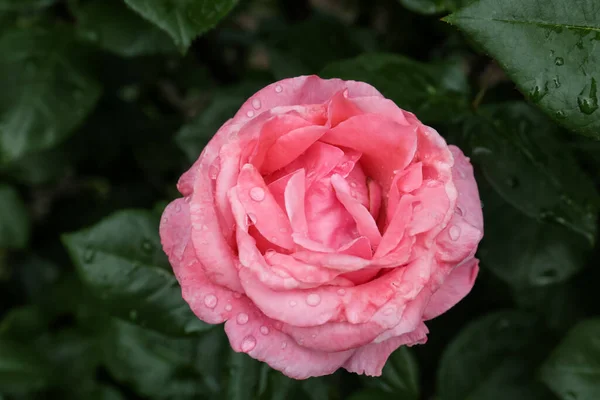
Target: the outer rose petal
pixel 456 286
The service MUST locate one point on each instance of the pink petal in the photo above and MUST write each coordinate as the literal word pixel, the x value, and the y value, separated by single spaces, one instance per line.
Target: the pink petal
pixel 456 286
pixel 364 221
pixel 289 146
pixel 294 202
pixel 382 106
pixel 468 203
pixel 374 198
pixel 300 90
pixel 269 219
pixel 341 108
pixel 386 145
pixel 397 227
pixel 411 178
pixel 334 336
pixel 370 359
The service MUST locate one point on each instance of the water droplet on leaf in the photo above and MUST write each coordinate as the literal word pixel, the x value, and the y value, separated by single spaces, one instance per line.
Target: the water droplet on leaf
pixel 559 61
pixel 147 246
pixel 588 100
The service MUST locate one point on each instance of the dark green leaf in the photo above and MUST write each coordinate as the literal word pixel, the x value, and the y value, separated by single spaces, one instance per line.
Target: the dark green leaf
pixel 400 375
pixel 23 323
pixel 24 5
pixel 14 219
pixel 523 158
pixel 493 358
pixel 152 364
pixel 308 46
pixel 114 27
pixel 183 20
pixel 525 252
pixel 373 394
pixel 21 368
pixel 243 377
pixel 40 167
pixel 120 259
pixel 573 369
pixel 434 6
pixel 551 49
pixel 46 91
pixel 434 92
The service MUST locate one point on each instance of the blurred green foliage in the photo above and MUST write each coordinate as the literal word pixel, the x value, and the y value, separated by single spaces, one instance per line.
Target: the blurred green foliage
pixel 104 103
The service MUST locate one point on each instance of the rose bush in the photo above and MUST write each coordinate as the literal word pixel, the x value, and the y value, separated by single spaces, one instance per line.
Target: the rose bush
pixel 324 225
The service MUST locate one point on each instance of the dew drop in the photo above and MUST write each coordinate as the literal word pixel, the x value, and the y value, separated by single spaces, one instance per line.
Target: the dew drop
pixel 256 104
pixel 283 345
pixel 251 219
pixel 264 330
pixel 353 184
pixel 213 171
pixel 210 301
pixel 454 232
pixel 248 343
pixel 250 114
pixel 228 307
pixel 588 103
pixel 278 89
pixel 556 82
pixel 147 246
pixel 89 255
pixel 237 295
pixel 388 311
pixel 341 292
pixel 274 239
pixel 293 303
pixel 313 299
pixel 538 93
pixel 242 318
pixel 560 114
pixel 257 193
pixel 559 61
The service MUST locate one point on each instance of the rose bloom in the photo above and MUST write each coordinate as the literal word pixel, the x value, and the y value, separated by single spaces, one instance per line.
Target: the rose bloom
pixel 324 225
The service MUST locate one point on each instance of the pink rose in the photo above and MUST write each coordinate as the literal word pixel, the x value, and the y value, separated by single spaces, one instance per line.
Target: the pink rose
pixel 324 225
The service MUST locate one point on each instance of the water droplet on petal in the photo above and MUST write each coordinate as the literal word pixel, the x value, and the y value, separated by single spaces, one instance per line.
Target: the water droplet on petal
pixel 250 114
pixel 313 299
pixel 237 295
pixel 242 318
pixel 274 239
pixel 213 171
pixel 388 311
pixel 341 292
pixel 178 207
pixel 454 232
pixel 248 343
pixel 278 89
pixel 257 193
pixel 228 307
pixel 292 303
pixel 353 184
pixel 264 330
pixel 256 104
pixel 210 301
pixel 283 345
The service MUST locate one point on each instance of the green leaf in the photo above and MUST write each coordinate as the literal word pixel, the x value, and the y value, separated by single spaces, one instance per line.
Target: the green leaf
pixel 40 167
pixel 372 394
pixel 400 375
pixel 21 368
pixel 14 219
pixel 243 376
pixel 121 261
pixel 425 6
pixel 155 365
pixel 436 92
pixel 493 358
pixel 551 49
pixel 114 27
pixel 523 158
pixel 183 20
pixel 525 252
pixel 573 369
pixel 46 90
pixel 24 5
pixel 308 46
pixel 23 323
